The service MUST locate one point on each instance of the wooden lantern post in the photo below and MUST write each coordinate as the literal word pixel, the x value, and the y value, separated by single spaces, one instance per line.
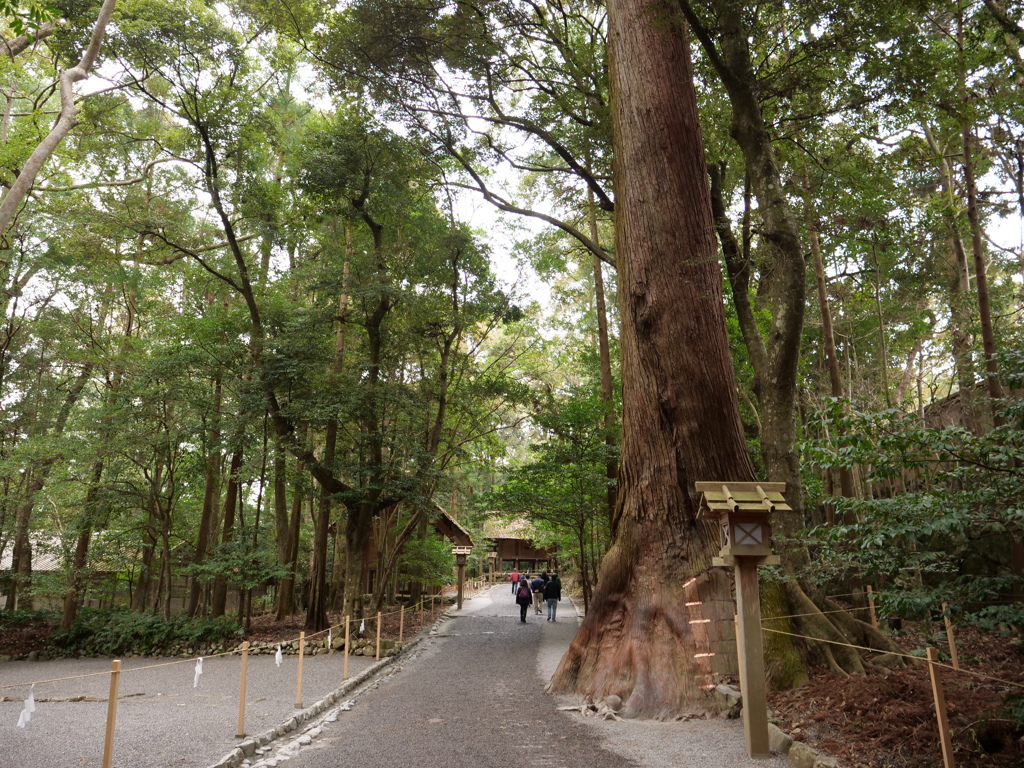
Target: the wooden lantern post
pixel 461 553
pixel 742 510
pixel 492 558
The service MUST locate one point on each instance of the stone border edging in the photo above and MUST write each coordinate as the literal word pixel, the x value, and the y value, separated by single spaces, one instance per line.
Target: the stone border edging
pixel 798 754
pixel 247 748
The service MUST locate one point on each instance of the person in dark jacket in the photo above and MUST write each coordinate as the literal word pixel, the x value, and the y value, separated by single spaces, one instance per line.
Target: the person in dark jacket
pixel 524 596
pixel 553 594
pixel 537 585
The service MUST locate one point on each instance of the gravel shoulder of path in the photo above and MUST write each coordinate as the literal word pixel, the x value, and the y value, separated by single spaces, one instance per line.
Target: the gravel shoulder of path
pixel 162 720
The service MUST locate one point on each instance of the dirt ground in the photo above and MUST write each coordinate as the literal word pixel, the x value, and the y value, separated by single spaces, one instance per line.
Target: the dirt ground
pixel 885 719
pixel 22 640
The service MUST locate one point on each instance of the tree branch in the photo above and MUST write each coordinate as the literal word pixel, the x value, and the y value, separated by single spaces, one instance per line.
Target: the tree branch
pixel 68 119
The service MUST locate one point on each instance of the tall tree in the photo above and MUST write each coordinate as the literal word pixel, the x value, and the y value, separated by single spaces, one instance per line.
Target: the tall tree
pixel 680 412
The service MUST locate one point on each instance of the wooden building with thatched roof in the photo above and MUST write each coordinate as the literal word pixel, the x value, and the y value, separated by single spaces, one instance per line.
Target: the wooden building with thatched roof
pixel 513 540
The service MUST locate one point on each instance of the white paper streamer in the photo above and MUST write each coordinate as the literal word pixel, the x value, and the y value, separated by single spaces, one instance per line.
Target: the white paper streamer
pixel 330 639
pixel 28 709
pixel 362 627
pixel 278 658
pixel 199 671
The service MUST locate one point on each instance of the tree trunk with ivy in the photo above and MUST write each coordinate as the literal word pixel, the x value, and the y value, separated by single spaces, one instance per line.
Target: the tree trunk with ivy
pixel 774 358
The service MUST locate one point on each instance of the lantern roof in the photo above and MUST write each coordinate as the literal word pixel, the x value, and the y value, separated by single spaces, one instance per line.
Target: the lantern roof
pixel 722 498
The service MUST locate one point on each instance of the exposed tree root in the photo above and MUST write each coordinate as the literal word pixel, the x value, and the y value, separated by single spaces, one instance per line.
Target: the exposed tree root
pixel 832 664
pixel 862 632
pixel 605 710
pixel 811 622
pixel 828 633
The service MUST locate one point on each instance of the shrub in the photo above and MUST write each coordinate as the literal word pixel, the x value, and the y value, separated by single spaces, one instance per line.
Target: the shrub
pixel 21 618
pixel 947 538
pixel 119 632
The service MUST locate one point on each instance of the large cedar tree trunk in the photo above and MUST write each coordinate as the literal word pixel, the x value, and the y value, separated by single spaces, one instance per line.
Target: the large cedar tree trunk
pixel 680 411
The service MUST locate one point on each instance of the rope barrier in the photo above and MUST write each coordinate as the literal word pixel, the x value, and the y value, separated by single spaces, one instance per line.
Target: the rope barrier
pixel 816 613
pixel 193 659
pixel 900 655
pixel 1003 601
pixel 190 660
pixel 54 680
pixel 242 650
pixel 183 661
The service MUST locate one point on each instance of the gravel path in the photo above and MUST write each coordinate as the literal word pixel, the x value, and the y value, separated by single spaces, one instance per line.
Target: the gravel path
pixel 470 696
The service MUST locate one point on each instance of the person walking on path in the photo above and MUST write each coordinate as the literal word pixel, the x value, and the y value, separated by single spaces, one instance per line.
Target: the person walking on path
pixel 515 580
pixel 553 594
pixel 523 598
pixel 537 585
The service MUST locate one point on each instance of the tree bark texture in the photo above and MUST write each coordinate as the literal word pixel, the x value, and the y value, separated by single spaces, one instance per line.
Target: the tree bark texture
pixel 286 595
pixel 995 391
pixel 19 594
pixel 76 585
pixel 659 607
pixel 211 495
pixel 218 602
pixel 604 353
pixel 783 287
pixel 988 339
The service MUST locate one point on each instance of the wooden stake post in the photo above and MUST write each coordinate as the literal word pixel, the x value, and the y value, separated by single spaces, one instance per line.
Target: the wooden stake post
pixel 939 696
pixel 953 657
pixel 742 511
pixel 377 658
pixel 401 623
pixel 345 670
pixel 871 607
pixel 298 690
pixel 241 694
pixel 108 742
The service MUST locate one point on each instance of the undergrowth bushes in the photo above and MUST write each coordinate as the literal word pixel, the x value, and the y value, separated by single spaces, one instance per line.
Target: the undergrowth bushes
pixel 119 632
pixel 18 619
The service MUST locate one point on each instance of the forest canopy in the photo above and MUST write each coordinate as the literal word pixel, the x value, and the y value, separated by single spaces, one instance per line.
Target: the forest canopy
pixel 287 283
